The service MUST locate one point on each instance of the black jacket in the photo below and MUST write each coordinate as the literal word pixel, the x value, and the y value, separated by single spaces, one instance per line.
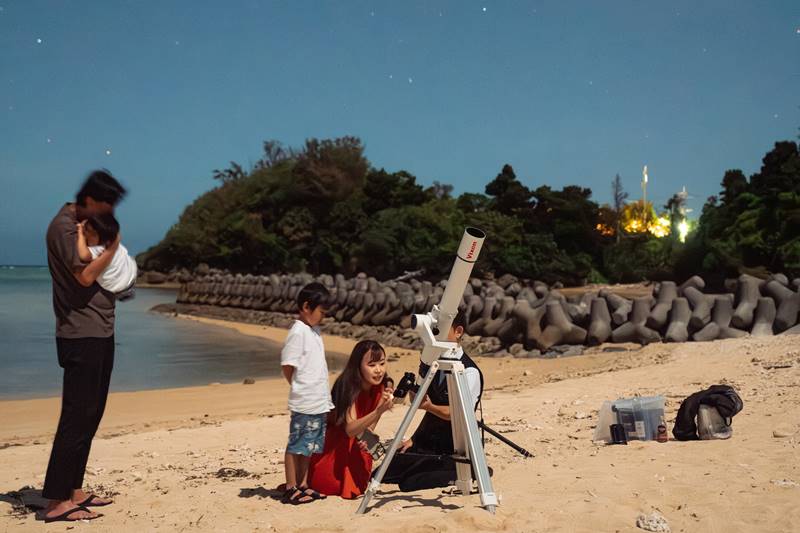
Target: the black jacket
pixel 723 397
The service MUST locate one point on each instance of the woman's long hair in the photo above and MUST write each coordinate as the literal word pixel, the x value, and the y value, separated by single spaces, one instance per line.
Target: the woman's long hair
pixel 348 385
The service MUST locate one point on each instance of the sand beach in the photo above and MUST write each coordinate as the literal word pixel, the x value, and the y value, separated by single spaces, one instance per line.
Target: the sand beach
pixel 209 458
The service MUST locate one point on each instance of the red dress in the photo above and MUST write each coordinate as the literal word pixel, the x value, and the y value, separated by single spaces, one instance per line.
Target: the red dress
pixel 343 469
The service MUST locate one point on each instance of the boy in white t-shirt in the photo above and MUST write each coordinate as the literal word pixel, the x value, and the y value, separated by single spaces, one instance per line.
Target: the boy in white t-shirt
pixel 94 235
pixel 304 367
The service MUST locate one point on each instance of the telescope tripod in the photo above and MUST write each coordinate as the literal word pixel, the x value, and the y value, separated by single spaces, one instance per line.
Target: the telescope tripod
pixel 466 439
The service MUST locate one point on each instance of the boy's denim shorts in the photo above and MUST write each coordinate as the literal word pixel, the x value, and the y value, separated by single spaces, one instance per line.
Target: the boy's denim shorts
pixel 306 433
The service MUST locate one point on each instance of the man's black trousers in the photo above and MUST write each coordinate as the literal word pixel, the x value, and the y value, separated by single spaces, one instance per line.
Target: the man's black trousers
pixel 87 365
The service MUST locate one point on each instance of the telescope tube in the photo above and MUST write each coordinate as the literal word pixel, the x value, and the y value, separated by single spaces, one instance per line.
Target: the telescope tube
pixel 467 254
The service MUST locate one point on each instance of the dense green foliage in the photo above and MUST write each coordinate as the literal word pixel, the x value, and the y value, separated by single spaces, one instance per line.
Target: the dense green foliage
pixel 325 208
pixel 754 225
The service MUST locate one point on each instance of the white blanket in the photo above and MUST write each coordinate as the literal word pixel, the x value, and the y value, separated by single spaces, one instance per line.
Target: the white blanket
pixel 120 274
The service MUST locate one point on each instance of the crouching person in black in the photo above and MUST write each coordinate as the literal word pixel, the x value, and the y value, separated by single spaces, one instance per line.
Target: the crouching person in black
pixel 425 460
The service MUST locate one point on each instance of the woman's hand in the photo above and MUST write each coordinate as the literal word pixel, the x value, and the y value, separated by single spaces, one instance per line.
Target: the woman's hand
pixel 386 402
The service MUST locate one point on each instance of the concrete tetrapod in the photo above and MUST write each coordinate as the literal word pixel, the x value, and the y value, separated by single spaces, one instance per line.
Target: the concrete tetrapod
pixel 620 307
pixel 701 307
pixel 788 304
pixel 599 323
pixel 530 320
pixel 747 294
pixel 390 311
pixel 764 318
pixel 779 277
pixel 510 332
pixel 473 308
pixel 719 327
pixel 559 329
pixel 667 292
pixel 695 281
pixel 475 329
pixel 529 294
pixel 503 315
pixel 579 312
pixel 635 330
pixel 365 312
pixel 679 315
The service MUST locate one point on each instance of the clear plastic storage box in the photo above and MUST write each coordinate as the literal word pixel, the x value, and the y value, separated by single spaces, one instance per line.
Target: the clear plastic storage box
pixel 639 416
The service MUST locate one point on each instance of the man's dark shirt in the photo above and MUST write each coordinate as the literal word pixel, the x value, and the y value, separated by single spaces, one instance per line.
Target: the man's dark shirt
pixel 80 311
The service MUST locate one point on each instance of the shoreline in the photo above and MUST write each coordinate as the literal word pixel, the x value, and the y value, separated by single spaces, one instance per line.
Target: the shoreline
pixel 33 420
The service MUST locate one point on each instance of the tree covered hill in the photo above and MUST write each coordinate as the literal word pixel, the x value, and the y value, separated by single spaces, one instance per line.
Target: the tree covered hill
pixel 324 208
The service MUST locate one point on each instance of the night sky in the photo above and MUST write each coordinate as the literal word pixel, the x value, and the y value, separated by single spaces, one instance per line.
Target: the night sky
pixel 162 93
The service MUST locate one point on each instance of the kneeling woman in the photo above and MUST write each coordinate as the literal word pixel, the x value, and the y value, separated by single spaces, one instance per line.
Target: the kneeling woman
pixel 361 394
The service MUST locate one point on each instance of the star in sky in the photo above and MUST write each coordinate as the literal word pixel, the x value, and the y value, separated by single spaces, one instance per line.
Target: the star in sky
pixel 38 41
pixel 108 151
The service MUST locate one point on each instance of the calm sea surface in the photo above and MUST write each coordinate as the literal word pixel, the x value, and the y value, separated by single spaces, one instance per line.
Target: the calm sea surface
pixel 152 351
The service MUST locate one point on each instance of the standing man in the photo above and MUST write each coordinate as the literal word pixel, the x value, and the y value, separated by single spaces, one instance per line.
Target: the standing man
pixel 85 345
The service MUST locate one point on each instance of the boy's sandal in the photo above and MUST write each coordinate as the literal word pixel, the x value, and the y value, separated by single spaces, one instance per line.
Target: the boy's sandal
pixel 88 502
pixel 64 517
pixel 294 496
pixel 313 493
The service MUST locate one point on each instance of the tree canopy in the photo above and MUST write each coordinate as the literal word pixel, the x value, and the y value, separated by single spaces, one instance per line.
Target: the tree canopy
pixel 324 208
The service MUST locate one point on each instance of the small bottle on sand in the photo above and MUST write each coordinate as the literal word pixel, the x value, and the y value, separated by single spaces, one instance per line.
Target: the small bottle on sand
pixel 661 435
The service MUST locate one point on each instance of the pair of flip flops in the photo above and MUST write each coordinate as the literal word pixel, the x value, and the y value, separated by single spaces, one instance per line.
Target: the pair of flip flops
pixel 65 517
pixel 83 506
pixel 297 495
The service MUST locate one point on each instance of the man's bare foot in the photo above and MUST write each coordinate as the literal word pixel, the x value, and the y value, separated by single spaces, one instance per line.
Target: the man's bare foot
pixel 79 497
pixel 55 508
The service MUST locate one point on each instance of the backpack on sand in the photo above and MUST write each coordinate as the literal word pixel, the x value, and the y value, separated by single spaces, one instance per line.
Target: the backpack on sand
pixel 721 397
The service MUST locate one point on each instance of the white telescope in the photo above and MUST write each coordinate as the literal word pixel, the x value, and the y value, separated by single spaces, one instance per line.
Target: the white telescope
pixel 433 326
pixel 440 355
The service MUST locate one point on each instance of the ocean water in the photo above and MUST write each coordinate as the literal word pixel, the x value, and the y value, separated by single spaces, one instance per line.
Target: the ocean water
pixel 152 351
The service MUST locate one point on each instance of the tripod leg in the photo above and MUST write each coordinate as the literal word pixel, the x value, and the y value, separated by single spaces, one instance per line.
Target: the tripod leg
pixel 472 436
pixel 460 446
pixel 375 482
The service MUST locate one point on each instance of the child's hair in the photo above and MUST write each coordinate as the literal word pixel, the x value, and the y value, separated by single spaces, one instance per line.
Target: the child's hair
pixel 315 294
pixel 459 320
pixel 101 186
pixel 106 227
pixel 348 385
